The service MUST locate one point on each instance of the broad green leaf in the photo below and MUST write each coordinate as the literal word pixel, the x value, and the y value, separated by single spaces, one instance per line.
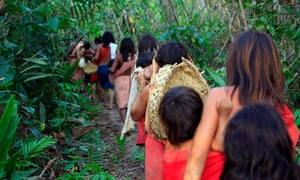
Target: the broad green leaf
pixel 297 34
pixel 53 24
pixel 9 44
pixel 42 113
pixel 29 109
pixel 39 76
pixel 41 61
pixel 30 68
pixel 215 76
pixel 9 122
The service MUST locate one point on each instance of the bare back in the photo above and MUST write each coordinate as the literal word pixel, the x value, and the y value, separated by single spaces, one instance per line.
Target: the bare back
pixel 229 106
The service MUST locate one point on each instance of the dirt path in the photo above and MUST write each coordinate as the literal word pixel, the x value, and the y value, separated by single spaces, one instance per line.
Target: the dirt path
pixel 120 165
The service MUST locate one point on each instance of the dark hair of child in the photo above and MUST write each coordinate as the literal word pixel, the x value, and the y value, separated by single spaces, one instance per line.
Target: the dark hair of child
pixel 147 43
pixel 98 40
pixel 180 111
pixel 257 146
pixel 127 48
pixel 171 53
pixel 144 59
pixel 107 38
pixel 86 45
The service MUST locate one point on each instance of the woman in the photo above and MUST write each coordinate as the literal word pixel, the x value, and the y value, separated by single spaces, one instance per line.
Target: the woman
pixel 121 70
pixel 254 75
pixel 168 53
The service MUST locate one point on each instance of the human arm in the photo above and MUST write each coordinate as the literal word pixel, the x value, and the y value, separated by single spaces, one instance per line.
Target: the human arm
pixel 97 52
pixel 203 138
pixel 139 105
pixel 115 64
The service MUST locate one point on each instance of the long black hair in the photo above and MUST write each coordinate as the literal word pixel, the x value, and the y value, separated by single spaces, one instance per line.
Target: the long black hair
pixel 170 53
pixel 107 38
pixel 127 48
pixel 257 146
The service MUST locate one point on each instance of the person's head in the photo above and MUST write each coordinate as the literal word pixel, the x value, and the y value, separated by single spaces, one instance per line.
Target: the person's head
pixel 127 48
pixel 147 43
pixel 253 65
pixel 180 111
pixel 98 40
pixel 171 53
pixel 86 45
pixel 257 145
pixel 107 38
pixel 144 59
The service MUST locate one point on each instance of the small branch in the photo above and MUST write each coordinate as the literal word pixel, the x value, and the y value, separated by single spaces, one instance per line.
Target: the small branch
pixel 116 22
pixel 49 164
pixel 243 15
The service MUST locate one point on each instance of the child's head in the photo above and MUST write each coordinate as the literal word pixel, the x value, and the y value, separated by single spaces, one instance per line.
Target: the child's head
pixel 180 111
pixel 144 59
pixel 257 145
pixel 98 40
pixel 86 45
pixel 171 53
pixel 253 65
pixel 127 48
pixel 147 43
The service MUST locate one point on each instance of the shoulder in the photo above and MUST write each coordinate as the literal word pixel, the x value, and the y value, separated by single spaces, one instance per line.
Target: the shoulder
pixel 218 91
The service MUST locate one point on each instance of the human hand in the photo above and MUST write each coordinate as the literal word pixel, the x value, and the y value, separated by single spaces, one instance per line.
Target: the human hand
pixel 142 82
pixel 148 73
pixel 224 107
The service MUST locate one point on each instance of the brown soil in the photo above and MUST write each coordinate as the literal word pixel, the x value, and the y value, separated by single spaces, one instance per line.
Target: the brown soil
pixel 118 164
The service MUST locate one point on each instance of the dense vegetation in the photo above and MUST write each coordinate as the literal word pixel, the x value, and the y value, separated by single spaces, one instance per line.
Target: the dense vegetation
pixel 37 98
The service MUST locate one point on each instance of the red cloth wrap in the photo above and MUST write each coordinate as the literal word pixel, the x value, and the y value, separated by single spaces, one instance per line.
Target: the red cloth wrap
pixel 174 163
pixel 141 134
pixel 154 152
pixel 289 121
pixel 94 77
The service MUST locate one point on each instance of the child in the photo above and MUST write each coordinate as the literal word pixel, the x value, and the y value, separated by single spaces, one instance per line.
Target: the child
pixel 180 111
pixel 257 146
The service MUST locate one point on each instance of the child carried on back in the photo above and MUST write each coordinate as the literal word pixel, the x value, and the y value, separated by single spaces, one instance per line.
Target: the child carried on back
pixel 180 111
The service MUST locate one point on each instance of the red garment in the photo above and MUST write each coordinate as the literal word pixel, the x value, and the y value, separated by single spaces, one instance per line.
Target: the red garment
pixel 94 77
pixel 141 134
pixel 174 163
pixel 102 55
pixel 213 166
pixel 154 152
pixel 289 121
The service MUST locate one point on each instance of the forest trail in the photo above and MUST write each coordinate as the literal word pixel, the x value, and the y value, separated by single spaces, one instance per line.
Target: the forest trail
pixel 119 164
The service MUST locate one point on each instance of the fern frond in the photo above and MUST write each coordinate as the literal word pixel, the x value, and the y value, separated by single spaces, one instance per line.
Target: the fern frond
pixel 33 147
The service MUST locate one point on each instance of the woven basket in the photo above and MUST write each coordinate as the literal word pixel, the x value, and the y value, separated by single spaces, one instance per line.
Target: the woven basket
pixel 90 68
pixel 183 74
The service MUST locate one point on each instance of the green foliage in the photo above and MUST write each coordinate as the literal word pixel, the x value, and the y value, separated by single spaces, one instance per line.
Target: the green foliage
pixel 121 143
pixel 9 122
pixel 91 171
pixel 33 147
pixel 35 35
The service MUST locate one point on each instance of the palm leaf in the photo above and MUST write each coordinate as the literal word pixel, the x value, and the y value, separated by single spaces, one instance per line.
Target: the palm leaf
pixel 33 147
pixel 36 76
pixel 8 123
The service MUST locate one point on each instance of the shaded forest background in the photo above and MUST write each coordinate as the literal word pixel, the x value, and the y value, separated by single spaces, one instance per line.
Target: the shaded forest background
pixel 37 98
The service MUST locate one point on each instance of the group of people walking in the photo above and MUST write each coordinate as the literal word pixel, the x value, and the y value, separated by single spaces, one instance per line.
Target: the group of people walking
pixel 244 130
